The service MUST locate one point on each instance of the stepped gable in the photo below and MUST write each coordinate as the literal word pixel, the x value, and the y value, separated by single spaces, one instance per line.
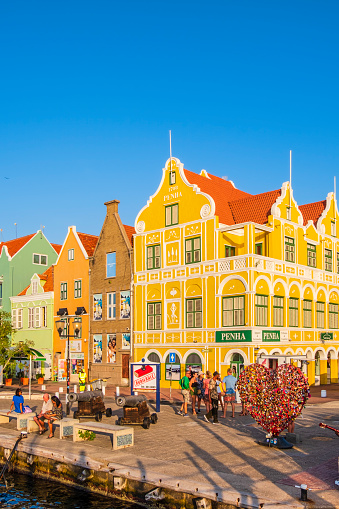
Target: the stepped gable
pixel 47 276
pixel 222 191
pixel 130 230
pixel 88 241
pixel 312 211
pixel 255 208
pixel 15 245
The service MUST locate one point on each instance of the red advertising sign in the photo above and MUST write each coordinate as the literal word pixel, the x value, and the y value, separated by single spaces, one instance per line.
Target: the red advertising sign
pixel 144 377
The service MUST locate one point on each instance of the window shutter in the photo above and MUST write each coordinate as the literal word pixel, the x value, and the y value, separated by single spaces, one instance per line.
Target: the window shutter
pixel 190 319
pixel 19 318
pixel 198 319
pixel 14 313
pixel 37 317
pixel 157 322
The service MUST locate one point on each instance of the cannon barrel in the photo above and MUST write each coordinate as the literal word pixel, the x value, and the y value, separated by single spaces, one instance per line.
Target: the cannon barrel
pixel 85 395
pixel 130 400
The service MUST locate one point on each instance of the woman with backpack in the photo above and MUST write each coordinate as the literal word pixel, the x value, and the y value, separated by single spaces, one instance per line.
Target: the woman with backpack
pixel 194 390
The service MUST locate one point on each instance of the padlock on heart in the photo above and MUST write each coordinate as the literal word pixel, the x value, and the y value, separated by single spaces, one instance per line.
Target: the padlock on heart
pixel 273 397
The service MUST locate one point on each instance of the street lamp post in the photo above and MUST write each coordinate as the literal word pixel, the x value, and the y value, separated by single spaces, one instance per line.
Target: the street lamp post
pixel 63 324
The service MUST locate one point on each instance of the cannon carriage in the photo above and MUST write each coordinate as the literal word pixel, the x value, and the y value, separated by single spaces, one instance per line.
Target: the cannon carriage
pixel 90 404
pixel 136 411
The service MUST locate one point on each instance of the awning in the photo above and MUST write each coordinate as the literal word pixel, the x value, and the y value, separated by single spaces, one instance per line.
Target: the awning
pixel 36 356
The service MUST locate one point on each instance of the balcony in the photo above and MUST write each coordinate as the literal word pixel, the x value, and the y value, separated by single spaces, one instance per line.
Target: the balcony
pixel 272 265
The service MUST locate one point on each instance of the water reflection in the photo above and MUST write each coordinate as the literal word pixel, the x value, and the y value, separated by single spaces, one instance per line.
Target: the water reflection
pixel 26 492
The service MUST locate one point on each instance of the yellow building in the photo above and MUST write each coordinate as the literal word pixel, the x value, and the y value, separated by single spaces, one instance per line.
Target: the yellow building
pixel 225 278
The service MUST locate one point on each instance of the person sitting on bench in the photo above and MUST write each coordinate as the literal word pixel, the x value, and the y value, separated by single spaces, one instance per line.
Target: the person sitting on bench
pixel 17 403
pixel 47 407
pixel 55 415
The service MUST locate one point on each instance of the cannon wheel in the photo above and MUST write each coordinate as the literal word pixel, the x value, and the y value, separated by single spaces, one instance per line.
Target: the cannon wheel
pixel 108 412
pixel 118 421
pixel 98 416
pixel 75 414
pixel 154 418
pixel 146 423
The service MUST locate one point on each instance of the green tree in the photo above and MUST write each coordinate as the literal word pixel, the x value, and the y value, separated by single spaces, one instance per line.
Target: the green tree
pixel 8 348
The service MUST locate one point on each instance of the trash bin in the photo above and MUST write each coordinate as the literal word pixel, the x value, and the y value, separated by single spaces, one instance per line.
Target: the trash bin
pixel 323 393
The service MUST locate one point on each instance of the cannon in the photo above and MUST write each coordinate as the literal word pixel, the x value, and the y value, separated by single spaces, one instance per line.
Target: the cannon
pixel 136 411
pixel 90 404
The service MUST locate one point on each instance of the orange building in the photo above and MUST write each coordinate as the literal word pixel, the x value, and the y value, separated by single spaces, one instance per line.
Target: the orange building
pixel 71 293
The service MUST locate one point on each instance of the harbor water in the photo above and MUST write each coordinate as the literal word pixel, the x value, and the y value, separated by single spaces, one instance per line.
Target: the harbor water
pixel 25 492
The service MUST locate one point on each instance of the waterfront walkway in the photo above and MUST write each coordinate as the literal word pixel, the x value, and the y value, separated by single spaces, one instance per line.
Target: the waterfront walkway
pixel 224 459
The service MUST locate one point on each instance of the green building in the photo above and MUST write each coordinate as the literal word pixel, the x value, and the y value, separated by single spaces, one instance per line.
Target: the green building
pixel 33 320
pixel 19 260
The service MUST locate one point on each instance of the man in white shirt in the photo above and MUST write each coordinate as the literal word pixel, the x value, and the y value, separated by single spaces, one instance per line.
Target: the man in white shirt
pixel 47 406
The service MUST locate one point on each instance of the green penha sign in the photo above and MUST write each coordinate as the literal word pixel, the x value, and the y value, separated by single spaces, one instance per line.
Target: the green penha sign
pixel 270 335
pixel 234 336
pixel 326 335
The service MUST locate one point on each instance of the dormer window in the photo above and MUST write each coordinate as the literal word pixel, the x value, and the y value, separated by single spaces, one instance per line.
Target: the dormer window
pixel 70 255
pixel 288 213
pixel 35 286
pixel 333 229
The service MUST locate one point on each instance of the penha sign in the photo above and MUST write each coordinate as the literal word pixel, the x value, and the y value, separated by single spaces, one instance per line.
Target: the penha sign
pixel 270 335
pixel 234 336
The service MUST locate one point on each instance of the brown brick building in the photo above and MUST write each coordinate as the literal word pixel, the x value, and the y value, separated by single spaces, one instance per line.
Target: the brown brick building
pixel 110 297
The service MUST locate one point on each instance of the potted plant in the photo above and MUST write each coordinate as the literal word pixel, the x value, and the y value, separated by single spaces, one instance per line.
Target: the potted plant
pixel 40 378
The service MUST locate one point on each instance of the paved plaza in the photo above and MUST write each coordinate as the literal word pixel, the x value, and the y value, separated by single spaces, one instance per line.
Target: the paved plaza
pixel 224 459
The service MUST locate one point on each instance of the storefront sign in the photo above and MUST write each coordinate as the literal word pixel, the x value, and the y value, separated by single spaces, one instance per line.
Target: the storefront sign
pixel 234 336
pixel 144 377
pixel 326 335
pixel 270 335
pixel 77 355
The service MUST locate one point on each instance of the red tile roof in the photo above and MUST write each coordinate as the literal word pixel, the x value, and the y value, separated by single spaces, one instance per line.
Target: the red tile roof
pixel 312 211
pixel 255 208
pixel 47 276
pixel 222 191
pixel 15 245
pixel 130 232
pixel 57 248
pixel 89 242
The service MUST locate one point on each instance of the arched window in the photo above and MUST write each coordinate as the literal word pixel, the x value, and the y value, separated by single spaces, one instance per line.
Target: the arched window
pixel 193 362
pixel 236 357
pixel 317 363
pixel 153 357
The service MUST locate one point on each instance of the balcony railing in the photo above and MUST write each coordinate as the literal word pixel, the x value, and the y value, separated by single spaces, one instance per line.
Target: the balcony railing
pixel 263 263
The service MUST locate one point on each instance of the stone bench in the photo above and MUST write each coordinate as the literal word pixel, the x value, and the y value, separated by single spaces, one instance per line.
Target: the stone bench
pixel 122 436
pixel 66 426
pixel 21 419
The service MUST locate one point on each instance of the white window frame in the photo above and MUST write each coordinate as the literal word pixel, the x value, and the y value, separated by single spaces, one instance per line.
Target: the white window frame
pixel 34 286
pixel 111 306
pixel 70 255
pixel 43 316
pixel 37 317
pixel 19 318
pixel 30 318
pixel 14 318
pixel 39 263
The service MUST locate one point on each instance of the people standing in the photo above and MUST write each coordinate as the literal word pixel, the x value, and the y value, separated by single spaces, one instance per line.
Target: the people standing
pixel 82 380
pixel 206 390
pixel 219 386
pixel 194 390
pixel 229 383
pixel 201 389
pixel 213 398
pixel 185 391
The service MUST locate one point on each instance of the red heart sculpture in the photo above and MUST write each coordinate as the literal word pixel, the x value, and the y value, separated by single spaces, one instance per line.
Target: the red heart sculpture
pixel 273 398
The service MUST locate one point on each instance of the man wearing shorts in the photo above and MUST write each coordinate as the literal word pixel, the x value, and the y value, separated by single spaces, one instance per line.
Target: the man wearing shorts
pixel 185 391
pixel 229 383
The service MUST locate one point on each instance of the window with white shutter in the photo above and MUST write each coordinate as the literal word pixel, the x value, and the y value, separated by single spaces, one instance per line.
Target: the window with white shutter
pixel 37 317
pixel 30 318
pixel 19 318
pixel 14 315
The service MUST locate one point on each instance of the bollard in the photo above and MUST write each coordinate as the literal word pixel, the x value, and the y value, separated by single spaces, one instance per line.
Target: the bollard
pixel 135 393
pixel 61 389
pixel 75 388
pixel 88 387
pixel 43 387
pixel 323 393
pixel 117 391
pixel 303 492
pixel 57 395
pixel 103 389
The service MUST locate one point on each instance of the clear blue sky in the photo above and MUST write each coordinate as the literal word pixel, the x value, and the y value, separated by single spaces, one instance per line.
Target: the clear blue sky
pixel 90 89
